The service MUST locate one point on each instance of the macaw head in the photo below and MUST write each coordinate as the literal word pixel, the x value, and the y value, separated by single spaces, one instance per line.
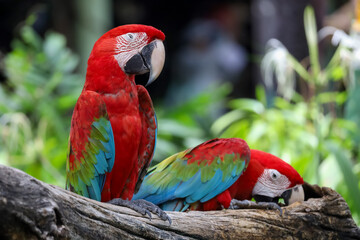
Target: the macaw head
pixel 277 179
pixel 137 49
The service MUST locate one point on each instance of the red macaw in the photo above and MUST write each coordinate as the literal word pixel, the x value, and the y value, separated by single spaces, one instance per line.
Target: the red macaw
pixel 113 127
pixel 217 173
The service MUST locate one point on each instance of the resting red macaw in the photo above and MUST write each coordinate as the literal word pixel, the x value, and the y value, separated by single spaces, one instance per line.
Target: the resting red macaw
pixel 113 127
pixel 217 173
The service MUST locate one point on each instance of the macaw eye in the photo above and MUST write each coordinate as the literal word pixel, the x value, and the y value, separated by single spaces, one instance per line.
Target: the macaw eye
pixel 274 174
pixel 129 36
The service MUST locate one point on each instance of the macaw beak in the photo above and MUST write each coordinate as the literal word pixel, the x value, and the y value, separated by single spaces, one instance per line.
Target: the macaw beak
pixel 293 195
pixel 262 198
pixel 151 59
pixel 290 196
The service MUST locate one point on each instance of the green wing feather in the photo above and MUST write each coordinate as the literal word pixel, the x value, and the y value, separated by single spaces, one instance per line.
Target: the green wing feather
pixel 186 175
pixel 91 147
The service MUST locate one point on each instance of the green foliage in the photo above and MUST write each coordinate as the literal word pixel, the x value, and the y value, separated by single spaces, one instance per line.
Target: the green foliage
pixel 187 125
pixel 38 97
pixel 316 131
pixel 314 134
pixel 36 102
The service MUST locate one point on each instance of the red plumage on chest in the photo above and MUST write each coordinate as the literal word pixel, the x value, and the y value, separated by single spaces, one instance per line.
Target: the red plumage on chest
pixel 116 145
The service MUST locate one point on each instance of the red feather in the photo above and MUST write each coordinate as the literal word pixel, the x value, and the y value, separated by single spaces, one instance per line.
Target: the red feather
pixel 259 161
pixel 242 188
pixel 127 106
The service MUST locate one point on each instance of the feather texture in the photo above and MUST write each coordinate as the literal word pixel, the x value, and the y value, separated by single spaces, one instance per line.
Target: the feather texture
pixel 195 175
pixel 113 128
pixel 91 147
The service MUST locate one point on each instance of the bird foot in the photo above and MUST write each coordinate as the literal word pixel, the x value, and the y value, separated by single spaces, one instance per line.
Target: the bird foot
pixel 143 207
pixel 246 204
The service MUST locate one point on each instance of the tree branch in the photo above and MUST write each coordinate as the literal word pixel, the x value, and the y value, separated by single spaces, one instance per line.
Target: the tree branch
pixel 31 209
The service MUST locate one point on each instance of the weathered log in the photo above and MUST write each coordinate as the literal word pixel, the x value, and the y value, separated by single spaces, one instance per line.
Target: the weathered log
pixel 31 209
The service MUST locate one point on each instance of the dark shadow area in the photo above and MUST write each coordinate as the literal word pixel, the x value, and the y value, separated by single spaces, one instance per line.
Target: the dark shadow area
pixel 312 191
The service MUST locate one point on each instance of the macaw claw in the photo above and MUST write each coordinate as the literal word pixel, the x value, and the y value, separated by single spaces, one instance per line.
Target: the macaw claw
pixel 246 204
pixel 143 207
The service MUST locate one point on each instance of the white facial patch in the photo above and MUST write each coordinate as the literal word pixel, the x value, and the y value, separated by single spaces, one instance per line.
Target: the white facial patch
pixel 129 44
pixel 271 183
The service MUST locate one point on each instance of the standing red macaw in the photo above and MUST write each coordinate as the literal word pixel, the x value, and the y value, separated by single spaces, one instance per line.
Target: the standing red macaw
pixel 217 173
pixel 113 127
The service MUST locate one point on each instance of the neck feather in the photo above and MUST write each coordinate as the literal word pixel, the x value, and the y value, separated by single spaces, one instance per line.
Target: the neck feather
pixel 104 75
pixel 242 188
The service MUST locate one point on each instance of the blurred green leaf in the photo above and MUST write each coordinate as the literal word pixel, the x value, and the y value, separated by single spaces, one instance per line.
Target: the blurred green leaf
pixel 260 94
pixel 245 104
pixel 352 108
pixel 312 41
pixel 29 37
pixel 338 73
pixel 186 125
pixel 37 98
pixel 227 119
pixel 257 131
pixel 329 171
pixel 177 129
pixel 299 68
pixel 346 167
pixel 299 129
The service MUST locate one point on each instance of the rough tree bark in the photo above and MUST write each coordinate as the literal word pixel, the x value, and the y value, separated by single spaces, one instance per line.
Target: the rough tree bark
pixel 31 209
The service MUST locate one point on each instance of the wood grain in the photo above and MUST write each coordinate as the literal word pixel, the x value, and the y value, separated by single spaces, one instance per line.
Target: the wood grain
pixel 31 209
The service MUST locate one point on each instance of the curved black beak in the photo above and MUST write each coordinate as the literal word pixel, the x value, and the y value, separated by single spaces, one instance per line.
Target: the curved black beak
pixel 262 198
pixel 290 196
pixel 286 196
pixel 151 59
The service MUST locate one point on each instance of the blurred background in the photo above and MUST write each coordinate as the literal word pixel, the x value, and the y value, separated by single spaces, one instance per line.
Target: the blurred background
pixel 283 76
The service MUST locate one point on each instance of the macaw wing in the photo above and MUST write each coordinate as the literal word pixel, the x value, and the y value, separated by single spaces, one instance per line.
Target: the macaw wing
pixel 91 147
pixel 198 174
pixel 149 134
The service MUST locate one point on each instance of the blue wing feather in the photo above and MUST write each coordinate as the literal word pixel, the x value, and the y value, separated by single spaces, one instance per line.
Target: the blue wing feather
pixel 105 160
pixel 91 146
pixel 192 190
